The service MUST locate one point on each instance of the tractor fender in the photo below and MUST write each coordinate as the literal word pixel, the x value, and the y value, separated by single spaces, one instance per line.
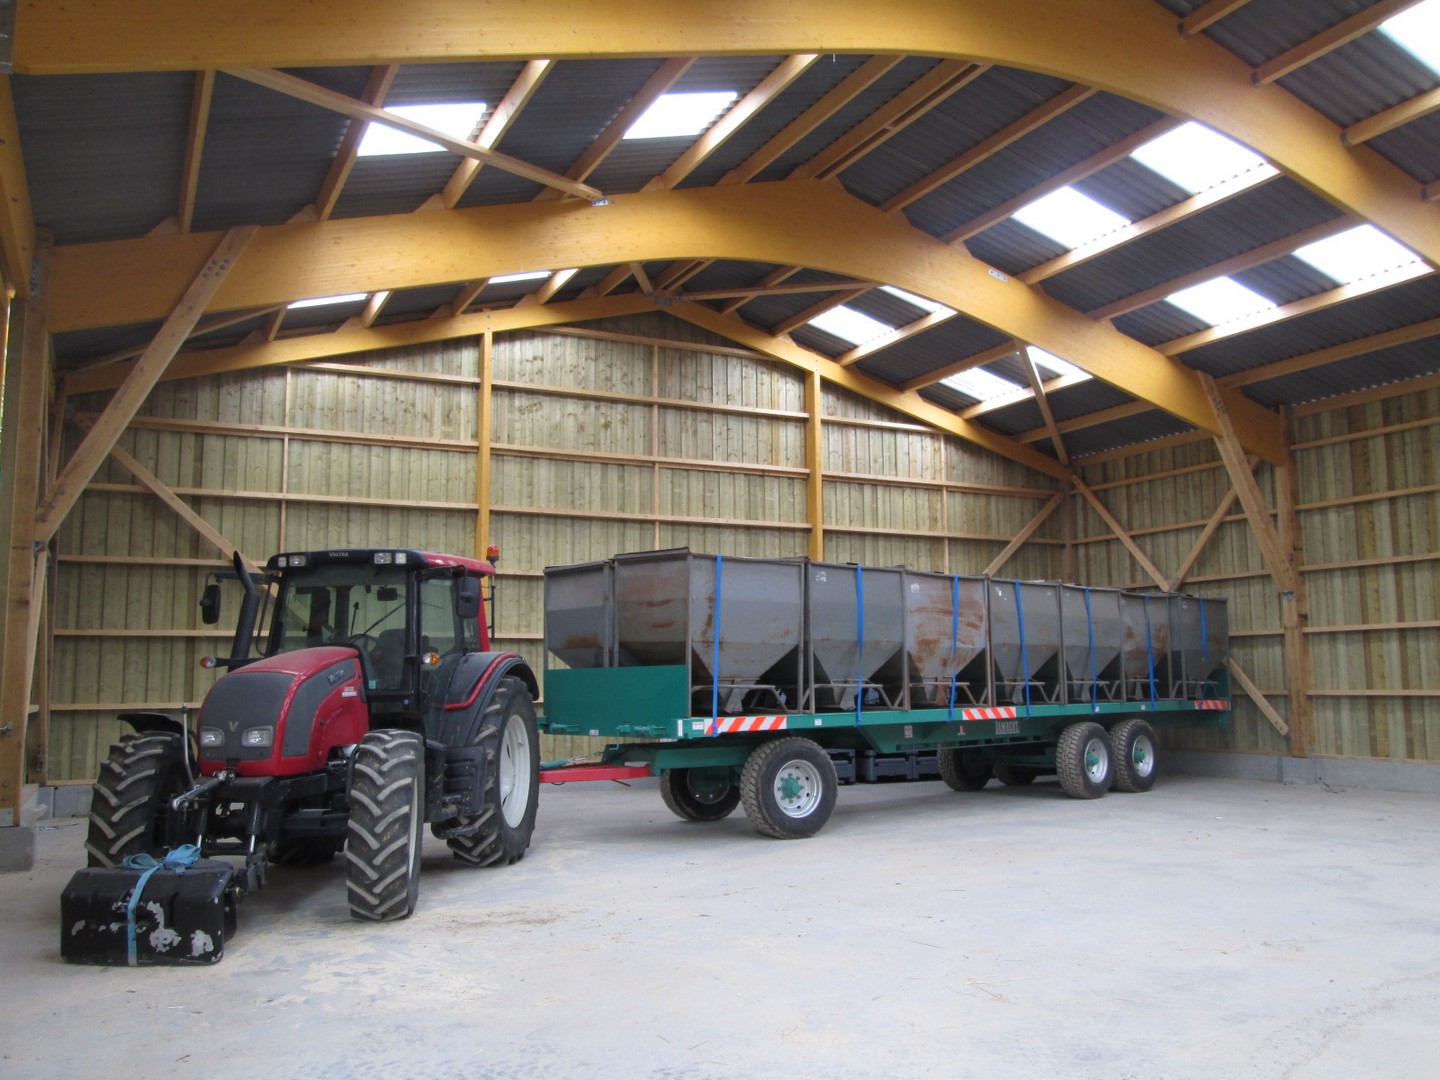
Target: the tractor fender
pixel 472 686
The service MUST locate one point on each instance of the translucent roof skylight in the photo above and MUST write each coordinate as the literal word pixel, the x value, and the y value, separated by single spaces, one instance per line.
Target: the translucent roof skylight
pixel 1195 158
pixel 326 301
pixel 675 115
pixel 528 275
pixel 1356 253
pixel 1047 361
pixel 1071 217
pixel 1417 31
pixel 849 325
pixel 458 119
pixel 980 384
pixel 918 301
pixel 1221 300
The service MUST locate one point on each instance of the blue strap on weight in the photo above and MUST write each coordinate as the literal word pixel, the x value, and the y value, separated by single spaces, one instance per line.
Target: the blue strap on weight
pixel 179 860
pixel 1024 648
pixel 715 662
pixel 1094 671
pixel 954 641
pixel 859 643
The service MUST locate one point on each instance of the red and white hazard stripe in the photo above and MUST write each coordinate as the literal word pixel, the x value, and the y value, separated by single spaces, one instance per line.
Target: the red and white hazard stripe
pixel 999 712
pixel 733 725
pixel 1213 703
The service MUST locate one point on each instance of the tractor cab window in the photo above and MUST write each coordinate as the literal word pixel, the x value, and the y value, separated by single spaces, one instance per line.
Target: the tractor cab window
pixel 344 604
pixel 440 628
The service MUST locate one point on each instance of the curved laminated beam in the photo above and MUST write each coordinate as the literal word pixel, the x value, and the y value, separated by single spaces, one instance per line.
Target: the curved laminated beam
pixel 1128 47
pixel 807 223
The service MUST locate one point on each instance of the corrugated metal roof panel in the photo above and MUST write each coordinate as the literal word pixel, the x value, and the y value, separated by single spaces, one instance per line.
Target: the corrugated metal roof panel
pixel 1263 29
pixel 821 342
pixel 1158 322
pixel 266 154
pixel 1132 190
pixel 394 184
pixel 1285 280
pixel 727 274
pixel 1125 432
pixel 816 81
pixel 323 315
pixel 1357 80
pixel 493 187
pixel 423 84
pixel 1084 130
pixel 1414 147
pixel 937 347
pixel 103 153
pixel 1013 247
pixel 878 93
pixel 1275 210
pixel 1360 373
pixel 424 302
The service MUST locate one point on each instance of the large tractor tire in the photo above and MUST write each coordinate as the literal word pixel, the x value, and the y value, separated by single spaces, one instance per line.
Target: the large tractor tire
pixel 1084 761
pixel 963 770
pixel 132 795
pixel 387 810
pixel 1134 744
pixel 698 795
pixel 512 780
pixel 788 787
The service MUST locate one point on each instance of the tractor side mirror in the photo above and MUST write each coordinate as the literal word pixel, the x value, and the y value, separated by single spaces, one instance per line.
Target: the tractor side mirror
pixel 210 604
pixel 467 598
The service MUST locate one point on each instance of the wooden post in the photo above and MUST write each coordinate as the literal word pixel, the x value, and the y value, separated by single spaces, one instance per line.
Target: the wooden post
pixel 21 452
pixel 483 422
pixel 815 462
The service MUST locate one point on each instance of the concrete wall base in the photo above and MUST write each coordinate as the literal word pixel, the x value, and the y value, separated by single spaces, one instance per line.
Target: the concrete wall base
pixel 17 848
pixel 1416 776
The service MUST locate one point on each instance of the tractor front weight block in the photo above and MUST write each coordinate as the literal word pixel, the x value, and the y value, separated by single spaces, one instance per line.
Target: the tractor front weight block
pixel 181 917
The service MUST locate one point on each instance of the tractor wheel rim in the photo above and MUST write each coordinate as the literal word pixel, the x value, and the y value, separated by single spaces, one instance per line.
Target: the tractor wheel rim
pixel 1143 756
pixel 797 789
pixel 1096 764
pixel 514 772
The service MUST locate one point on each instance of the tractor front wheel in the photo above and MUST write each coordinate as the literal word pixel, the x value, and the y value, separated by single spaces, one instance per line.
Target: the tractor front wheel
pixel 512 780
pixel 132 796
pixel 382 845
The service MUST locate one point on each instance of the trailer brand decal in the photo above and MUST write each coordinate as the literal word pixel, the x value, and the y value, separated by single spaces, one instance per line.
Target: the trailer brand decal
pixel 1213 703
pixel 1007 727
pixel 730 725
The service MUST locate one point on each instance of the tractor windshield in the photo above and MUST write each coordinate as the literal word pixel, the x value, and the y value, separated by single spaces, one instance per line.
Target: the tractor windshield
pixel 358 604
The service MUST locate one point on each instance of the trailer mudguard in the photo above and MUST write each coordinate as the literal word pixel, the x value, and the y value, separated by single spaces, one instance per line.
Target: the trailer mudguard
pixel 455 719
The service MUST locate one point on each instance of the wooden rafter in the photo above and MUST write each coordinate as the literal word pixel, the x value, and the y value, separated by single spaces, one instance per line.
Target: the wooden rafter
pixel 1391 118
pixel 17 225
pixel 1019 539
pixel 665 76
pixel 800 318
pixel 773 290
pixel 1327 41
pixel 376 87
pixel 194 146
pixel 359 110
pixel 1203 540
pixel 1119 530
pixel 1023 394
pixel 501 119
pixel 988 356
pixel 1138 230
pixel 894 337
pixel 205 326
pixel 1207 14
pixel 464 296
pixel 1234 265
pixel 132 393
pixel 739 114
pixel 1037 387
pixel 373 307
pixel 829 104
pixel 1404 335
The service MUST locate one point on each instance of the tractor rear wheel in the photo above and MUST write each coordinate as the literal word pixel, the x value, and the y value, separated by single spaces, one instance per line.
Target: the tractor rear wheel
pixel 697 795
pixel 963 770
pixel 130 806
pixel 382 845
pixel 512 780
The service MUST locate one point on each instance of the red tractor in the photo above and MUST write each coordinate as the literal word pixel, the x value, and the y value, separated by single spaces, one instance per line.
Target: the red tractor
pixel 374 705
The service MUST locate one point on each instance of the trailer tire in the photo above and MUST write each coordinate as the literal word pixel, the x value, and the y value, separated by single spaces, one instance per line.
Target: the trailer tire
pixel 697 801
pixel 1134 744
pixel 1084 761
pixel 788 787
pixel 963 770
pixel 512 780
pixel 129 808
pixel 1015 775
pixel 382 844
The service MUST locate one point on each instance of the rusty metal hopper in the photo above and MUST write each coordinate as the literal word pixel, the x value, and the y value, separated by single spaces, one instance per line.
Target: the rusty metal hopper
pixel 1147 644
pixel 855 645
pixel 579 614
pixel 1025 640
pixel 946 628
pixel 1093 630
pixel 1199 644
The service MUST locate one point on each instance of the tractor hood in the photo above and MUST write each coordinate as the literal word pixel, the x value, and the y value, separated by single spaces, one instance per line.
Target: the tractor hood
pixel 282 715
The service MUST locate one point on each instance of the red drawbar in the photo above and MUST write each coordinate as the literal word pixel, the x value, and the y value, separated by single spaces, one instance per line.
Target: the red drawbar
pixel 568 774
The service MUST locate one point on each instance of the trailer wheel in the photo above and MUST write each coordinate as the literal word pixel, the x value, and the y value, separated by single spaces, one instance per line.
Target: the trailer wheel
pixel 512 780
pixel 1015 775
pixel 788 787
pixel 1084 761
pixel 1134 745
pixel 382 844
pixel 698 795
pixel 963 770
pixel 132 793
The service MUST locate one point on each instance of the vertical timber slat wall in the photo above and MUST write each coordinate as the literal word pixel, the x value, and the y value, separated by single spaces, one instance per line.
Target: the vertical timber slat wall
pixel 1369 509
pixel 625 435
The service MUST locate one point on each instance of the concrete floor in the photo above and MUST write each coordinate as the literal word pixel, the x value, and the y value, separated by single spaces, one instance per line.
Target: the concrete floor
pixel 1211 928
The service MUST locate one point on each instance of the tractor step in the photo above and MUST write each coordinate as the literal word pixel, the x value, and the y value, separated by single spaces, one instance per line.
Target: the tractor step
pixel 180 917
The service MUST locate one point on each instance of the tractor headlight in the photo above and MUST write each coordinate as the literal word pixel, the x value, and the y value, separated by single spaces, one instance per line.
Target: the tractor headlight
pixel 257 736
pixel 211 737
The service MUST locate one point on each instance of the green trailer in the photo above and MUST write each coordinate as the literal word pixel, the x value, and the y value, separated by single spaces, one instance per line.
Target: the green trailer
pixel 738 681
